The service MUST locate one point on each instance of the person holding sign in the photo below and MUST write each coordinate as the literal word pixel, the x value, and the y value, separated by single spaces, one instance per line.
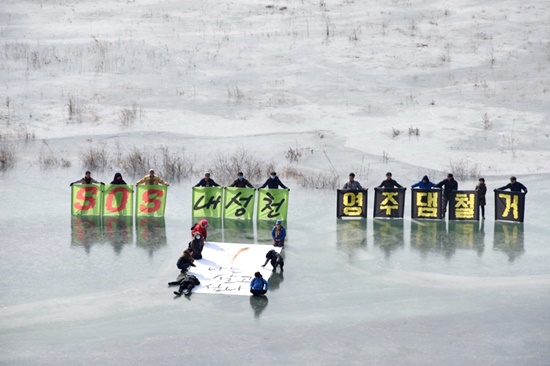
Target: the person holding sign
pixel 258 285
pixel 278 234
pixel 207 182
pixel 352 184
pixel 514 186
pixel 389 182
pixel 87 179
pixel 481 189
pixel 241 182
pixel 448 185
pixel 273 182
pixel 151 179
pixel 118 179
pixel 424 183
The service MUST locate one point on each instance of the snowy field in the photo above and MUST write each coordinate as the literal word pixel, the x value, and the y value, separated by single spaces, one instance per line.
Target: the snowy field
pixel 313 90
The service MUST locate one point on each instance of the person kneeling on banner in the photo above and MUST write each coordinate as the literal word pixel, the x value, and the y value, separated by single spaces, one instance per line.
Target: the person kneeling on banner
pixel 195 246
pixel 185 261
pixel 276 260
pixel 278 234
pixel 187 283
pixel 258 285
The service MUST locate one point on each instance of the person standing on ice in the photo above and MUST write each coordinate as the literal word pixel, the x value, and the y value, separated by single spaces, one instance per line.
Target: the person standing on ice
pixel 448 185
pixel 258 285
pixel 514 186
pixel 424 183
pixel 241 182
pixel 352 183
pixel 389 182
pixel 87 179
pixel 207 182
pixel 151 179
pixel 273 182
pixel 278 234
pixel 118 179
pixel 481 189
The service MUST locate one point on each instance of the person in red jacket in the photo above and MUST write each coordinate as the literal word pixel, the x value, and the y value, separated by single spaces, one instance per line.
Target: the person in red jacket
pixel 200 228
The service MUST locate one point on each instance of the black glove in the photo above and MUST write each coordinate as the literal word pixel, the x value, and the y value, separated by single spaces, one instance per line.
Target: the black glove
pixel 71 184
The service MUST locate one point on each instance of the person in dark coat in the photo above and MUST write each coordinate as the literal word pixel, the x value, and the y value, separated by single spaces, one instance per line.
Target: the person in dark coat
pixel 118 179
pixel 241 182
pixel 481 189
pixel 273 182
pixel 448 185
pixel 195 246
pixel 514 186
pixel 352 184
pixel 207 182
pixel 185 261
pixel 187 283
pixel 276 260
pixel 389 182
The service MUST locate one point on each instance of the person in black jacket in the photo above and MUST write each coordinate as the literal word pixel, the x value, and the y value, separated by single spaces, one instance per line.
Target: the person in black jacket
pixel 187 283
pixel 207 182
pixel 273 182
pixel 514 186
pixel 481 189
pixel 118 179
pixel 276 260
pixel 241 182
pixel 448 185
pixel 389 182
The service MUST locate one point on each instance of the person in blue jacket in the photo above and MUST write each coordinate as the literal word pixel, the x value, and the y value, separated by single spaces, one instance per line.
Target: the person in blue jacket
pixel 424 183
pixel 258 285
pixel 273 182
pixel 278 234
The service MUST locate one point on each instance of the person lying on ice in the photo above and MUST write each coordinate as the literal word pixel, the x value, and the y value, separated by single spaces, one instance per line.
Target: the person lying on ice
pixel 187 283
pixel 276 260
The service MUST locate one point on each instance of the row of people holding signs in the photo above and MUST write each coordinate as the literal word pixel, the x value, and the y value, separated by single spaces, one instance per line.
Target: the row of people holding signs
pixel 150 200
pixel 429 204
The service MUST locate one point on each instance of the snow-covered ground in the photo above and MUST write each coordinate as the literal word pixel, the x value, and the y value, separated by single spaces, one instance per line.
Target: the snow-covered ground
pixel 413 87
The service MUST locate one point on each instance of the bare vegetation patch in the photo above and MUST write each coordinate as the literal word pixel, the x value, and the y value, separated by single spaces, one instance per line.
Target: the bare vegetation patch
pixel 175 166
pixel 312 180
pixel 47 159
pixel 96 158
pixel 227 165
pixel 7 156
pixel 464 169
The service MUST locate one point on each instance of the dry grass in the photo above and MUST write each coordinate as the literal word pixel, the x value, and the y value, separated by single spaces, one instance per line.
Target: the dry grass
pixel 7 156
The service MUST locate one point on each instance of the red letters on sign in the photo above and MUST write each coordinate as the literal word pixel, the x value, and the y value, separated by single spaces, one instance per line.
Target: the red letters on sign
pixel 121 204
pixel 150 196
pixel 86 195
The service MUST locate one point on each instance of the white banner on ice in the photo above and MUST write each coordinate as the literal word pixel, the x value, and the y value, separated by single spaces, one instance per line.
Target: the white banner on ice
pixel 228 268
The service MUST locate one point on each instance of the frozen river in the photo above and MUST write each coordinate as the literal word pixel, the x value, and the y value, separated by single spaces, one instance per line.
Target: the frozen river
pixel 376 292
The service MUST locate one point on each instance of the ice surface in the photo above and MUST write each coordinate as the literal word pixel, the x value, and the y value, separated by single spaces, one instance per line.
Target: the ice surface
pixel 334 80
